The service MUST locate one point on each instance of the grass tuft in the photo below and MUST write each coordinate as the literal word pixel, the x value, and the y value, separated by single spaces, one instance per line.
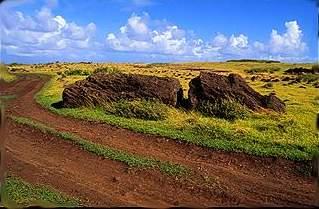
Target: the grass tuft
pixel 270 70
pixel 229 110
pixel 5 75
pixel 77 72
pixel 141 109
pixel 107 69
pixel 19 193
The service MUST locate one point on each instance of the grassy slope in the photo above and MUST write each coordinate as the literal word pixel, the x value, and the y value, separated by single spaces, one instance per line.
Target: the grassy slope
pixel 5 75
pixel 106 152
pixel 291 135
pixel 19 193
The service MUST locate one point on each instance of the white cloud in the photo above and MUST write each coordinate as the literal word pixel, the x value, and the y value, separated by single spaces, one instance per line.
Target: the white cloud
pixel 240 41
pixel 220 40
pixel 140 34
pixel 289 43
pixel 46 34
pixel 43 33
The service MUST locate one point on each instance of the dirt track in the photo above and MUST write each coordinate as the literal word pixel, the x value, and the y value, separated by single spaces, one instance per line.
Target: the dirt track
pixel 238 178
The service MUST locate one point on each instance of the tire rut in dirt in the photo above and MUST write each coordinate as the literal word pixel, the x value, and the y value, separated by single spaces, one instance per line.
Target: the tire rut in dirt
pixel 45 159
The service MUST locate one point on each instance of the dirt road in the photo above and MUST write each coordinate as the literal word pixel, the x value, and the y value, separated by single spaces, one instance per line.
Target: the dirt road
pixel 239 179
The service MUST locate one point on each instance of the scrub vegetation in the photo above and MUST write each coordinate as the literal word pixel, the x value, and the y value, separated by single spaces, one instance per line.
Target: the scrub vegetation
pixel 225 126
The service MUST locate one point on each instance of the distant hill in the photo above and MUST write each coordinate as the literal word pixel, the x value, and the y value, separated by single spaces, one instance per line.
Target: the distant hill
pixel 252 60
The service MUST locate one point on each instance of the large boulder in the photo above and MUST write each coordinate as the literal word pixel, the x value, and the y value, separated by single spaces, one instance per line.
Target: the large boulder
pixel 100 88
pixel 212 87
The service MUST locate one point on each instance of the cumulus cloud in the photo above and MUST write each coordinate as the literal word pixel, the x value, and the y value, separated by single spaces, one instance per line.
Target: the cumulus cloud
pixel 139 34
pixel 240 41
pixel 46 34
pixel 289 42
pixel 43 33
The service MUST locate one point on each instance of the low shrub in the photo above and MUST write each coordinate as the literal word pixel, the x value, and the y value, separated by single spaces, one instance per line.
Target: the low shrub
pixel 75 72
pixel 157 64
pixel 268 85
pixel 262 70
pixel 229 110
pixel 107 69
pixel 308 78
pixel 315 68
pixel 253 60
pixel 141 109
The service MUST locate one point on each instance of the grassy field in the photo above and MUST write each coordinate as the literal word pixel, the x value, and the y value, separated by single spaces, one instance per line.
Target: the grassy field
pixel 291 135
pixel 18 193
pixel 5 75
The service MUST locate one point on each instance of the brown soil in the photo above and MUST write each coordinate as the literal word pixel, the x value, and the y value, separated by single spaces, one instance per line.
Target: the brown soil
pixel 236 178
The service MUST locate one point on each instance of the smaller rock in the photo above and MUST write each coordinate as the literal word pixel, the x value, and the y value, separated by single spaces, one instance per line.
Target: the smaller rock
pixel 286 78
pixel 273 102
pixel 292 82
pixel 275 80
pixel 266 79
pixel 253 78
pixel 298 79
pixel 301 70
pixel 116 179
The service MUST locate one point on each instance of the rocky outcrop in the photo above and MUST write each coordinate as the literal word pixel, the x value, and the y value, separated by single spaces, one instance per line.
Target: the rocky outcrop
pixel 101 87
pixel 212 87
pixel 301 70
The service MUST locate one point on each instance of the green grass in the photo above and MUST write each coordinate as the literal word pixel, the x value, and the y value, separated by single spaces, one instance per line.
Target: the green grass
pixel 77 72
pixel 5 75
pixel 254 60
pixel 141 109
pixel 270 70
pixel 107 69
pixel 260 134
pixel 7 97
pixel 107 152
pixel 18 193
pixel 309 78
pixel 229 110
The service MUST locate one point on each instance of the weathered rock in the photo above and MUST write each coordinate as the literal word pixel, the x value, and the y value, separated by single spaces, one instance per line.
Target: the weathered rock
pixel 266 79
pixel 301 70
pixel 212 87
pixel 101 87
pixel 292 82
pixel 254 78
pixel 273 102
pixel 286 78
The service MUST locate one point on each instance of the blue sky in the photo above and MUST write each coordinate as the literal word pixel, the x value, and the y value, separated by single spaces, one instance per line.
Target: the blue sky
pixel 35 31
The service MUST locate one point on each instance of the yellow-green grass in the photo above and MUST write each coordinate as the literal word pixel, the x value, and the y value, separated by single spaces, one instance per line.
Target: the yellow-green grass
pixel 105 151
pixel 291 135
pixel 17 193
pixel 5 75
pixel 181 71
